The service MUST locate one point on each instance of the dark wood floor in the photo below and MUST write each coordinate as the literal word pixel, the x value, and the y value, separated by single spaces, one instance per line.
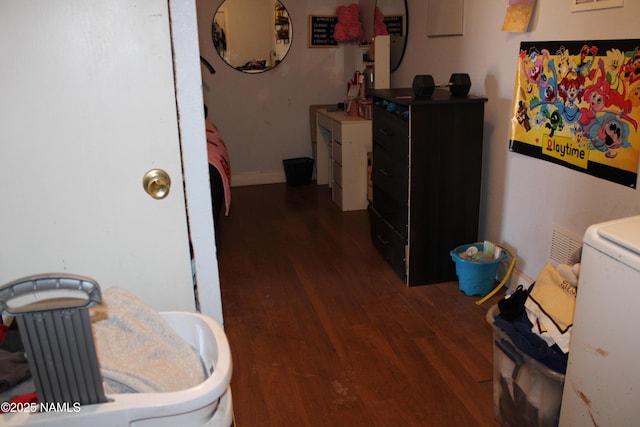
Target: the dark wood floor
pixel 323 333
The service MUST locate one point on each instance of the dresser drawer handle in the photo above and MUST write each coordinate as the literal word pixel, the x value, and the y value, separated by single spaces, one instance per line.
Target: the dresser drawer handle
pixel 385 172
pixel 382 240
pixel 386 132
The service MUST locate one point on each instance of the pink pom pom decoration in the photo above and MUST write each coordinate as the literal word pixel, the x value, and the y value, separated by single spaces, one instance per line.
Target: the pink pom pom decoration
pixel 349 27
pixel 379 27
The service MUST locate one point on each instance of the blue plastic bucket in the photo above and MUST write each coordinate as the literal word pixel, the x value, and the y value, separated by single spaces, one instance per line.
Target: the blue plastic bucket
pixel 476 277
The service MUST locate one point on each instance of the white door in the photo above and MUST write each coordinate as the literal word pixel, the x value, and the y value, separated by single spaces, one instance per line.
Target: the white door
pixel 87 107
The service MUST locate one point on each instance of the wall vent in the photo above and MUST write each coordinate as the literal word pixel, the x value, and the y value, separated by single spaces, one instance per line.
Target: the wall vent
pixel 564 244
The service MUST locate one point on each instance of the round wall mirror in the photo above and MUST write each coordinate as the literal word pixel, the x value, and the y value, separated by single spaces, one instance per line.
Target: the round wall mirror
pixel 396 19
pixel 252 36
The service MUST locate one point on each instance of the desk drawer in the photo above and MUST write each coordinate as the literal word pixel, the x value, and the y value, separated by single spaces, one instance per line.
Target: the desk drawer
pixel 336 150
pixel 337 173
pixel 390 244
pixel 391 133
pixel 337 131
pixel 336 194
pixel 325 122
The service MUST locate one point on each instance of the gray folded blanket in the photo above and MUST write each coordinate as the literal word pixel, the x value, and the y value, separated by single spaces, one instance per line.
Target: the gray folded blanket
pixel 138 350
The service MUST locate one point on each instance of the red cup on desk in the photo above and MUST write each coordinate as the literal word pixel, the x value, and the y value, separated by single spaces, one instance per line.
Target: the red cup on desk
pixel 353 107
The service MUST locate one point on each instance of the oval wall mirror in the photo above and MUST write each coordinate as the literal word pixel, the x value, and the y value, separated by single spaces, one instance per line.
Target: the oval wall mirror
pixel 252 36
pixel 396 18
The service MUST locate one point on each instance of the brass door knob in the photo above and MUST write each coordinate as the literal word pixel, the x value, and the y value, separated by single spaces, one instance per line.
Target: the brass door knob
pixel 156 183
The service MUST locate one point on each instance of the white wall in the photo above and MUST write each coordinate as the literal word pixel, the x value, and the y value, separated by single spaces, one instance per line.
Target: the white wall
pixel 522 196
pixel 264 118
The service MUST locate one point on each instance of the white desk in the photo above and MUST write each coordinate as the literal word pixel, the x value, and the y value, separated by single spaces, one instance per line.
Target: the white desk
pixel 341 161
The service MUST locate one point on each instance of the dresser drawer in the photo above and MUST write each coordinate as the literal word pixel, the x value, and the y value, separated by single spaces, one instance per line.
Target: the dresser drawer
pixel 336 151
pixel 391 133
pixel 391 209
pixel 390 174
pixel 390 244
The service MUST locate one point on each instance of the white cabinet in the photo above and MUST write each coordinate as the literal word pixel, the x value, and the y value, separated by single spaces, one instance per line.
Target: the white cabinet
pixel 343 143
pixel 379 53
pixel 601 384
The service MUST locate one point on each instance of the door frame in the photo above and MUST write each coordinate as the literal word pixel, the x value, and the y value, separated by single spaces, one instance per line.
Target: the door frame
pixel 191 126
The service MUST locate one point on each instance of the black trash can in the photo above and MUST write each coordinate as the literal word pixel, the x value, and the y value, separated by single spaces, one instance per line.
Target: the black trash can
pixel 298 171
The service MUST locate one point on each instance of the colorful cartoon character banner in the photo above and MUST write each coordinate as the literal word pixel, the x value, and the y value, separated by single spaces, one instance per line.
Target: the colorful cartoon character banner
pixel 577 104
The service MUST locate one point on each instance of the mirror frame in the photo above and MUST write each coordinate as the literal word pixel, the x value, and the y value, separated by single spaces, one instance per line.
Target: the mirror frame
pixel 394 67
pixel 221 7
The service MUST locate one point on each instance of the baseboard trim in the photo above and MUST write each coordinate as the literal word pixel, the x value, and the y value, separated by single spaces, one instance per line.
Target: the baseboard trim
pixel 519 278
pixel 257 178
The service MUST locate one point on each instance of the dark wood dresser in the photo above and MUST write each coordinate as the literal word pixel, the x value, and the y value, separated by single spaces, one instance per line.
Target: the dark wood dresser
pixel 426 174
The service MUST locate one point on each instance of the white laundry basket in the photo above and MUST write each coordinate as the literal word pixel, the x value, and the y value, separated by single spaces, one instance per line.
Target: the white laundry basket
pixel 207 404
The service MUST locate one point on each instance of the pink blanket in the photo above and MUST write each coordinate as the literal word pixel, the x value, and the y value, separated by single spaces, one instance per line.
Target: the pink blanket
pixel 219 157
